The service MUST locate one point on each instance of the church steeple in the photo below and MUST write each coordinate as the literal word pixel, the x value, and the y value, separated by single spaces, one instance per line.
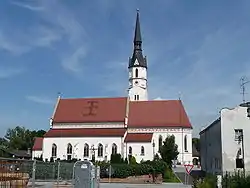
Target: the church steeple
pixel 137 67
pixel 137 59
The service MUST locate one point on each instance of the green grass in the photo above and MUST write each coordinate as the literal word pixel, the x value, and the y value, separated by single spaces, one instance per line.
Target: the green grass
pixel 170 177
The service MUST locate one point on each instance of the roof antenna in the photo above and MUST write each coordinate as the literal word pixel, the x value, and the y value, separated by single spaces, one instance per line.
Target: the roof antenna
pixel 243 82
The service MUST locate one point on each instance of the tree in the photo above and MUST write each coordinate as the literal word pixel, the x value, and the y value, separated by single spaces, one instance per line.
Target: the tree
pixel 21 138
pixel 169 150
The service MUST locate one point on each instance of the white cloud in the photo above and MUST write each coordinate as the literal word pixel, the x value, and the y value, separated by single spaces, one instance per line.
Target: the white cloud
pixel 40 99
pixel 73 62
pixel 27 6
pixel 10 72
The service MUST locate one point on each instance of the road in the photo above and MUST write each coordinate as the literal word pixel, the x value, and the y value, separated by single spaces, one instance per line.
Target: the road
pixel 116 185
pixel 166 185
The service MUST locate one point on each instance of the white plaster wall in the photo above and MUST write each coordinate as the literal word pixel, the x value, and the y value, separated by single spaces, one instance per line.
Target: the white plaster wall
pixel 136 151
pixel 142 72
pixel 210 154
pixel 37 154
pixel 140 88
pixel 78 150
pixel 234 119
pixel 184 157
pixel 143 94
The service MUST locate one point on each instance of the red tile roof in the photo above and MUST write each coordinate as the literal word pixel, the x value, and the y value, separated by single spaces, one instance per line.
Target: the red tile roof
pixel 38 144
pixel 138 137
pixel 90 110
pixel 81 132
pixel 162 113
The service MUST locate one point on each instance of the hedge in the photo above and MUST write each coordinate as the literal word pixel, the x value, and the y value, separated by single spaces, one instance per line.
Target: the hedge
pixel 126 170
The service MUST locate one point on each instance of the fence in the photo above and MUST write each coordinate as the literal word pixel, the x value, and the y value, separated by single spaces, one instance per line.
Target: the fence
pixel 18 171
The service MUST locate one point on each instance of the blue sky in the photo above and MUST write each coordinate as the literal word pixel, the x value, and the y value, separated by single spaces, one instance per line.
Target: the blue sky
pixel 81 49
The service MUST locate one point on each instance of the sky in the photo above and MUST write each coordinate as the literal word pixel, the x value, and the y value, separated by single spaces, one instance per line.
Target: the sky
pixel 196 50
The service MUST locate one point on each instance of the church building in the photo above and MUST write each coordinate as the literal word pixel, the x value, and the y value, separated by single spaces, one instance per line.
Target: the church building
pixel 133 125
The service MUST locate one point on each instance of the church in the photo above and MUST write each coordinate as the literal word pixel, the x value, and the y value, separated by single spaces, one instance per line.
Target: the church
pixel 133 125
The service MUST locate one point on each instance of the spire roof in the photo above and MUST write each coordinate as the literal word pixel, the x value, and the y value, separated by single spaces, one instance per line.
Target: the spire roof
pixel 137 59
pixel 137 37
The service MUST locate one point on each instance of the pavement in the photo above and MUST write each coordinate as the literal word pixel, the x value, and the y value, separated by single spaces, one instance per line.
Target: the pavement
pixel 117 185
pixel 165 185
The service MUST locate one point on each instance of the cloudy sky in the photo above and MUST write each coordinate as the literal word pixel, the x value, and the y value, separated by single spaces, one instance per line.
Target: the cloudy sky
pixel 81 49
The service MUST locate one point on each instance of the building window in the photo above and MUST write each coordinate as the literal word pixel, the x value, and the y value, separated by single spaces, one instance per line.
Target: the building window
pixel 136 97
pixel 142 151
pixel 54 150
pixel 114 149
pixel 130 150
pixel 136 73
pixel 86 150
pixel 160 143
pixel 100 150
pixel 238 134
pixel 185 144
pixel 69 152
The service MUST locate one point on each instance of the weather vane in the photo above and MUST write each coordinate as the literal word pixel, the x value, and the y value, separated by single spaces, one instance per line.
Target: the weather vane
pixel 243 82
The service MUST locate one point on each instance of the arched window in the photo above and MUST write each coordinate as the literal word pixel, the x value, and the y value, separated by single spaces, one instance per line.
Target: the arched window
pixel 114 149
pixel 136 73
pixel 130 150
pixel 160 142
pixel 185 143
pixel 100 150
pixel 142 151
pixel 69 152
pixel 86 150
pixel 54 150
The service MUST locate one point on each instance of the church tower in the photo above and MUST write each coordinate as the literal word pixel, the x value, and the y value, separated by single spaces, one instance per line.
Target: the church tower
pixel 137 67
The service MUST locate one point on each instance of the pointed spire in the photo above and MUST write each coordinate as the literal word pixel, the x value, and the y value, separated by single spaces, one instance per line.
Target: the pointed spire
pixel 137 37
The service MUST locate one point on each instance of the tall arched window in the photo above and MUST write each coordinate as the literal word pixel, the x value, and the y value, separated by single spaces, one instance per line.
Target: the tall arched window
pixel 54 151
pixel 69 151
pixel 142 151
pixel 86 150
pixel 136 73
pixel 130 150
pixel 185 143
pixel 160 142
pixel 114 149
pixel 100 150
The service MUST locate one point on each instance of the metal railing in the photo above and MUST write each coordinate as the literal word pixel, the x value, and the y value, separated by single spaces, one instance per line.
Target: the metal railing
pixel 22 172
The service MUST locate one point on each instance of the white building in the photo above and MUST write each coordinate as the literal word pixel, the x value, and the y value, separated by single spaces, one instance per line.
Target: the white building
pixel 84 128
pixel 222 145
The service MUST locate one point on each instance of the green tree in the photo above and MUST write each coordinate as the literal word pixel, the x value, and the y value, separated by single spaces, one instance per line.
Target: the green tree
pixel 169 150
pixel 21 138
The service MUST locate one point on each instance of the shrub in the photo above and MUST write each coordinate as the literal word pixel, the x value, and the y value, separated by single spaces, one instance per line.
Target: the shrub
pixel 126 170
pixel 116 159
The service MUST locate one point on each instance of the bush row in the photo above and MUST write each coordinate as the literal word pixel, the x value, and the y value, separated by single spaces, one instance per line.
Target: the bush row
pixel 126 170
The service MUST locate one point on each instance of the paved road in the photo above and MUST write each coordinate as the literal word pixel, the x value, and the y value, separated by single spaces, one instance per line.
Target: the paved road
pixel 117 185
pixel 167 185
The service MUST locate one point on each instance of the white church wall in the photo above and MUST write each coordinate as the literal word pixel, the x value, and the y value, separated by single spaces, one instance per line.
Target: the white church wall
pixel 88 125
pixel 136 90
pixel 37 154
pixel 184 157
pixel 234 119
pixel 78 146
pixel 136 151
